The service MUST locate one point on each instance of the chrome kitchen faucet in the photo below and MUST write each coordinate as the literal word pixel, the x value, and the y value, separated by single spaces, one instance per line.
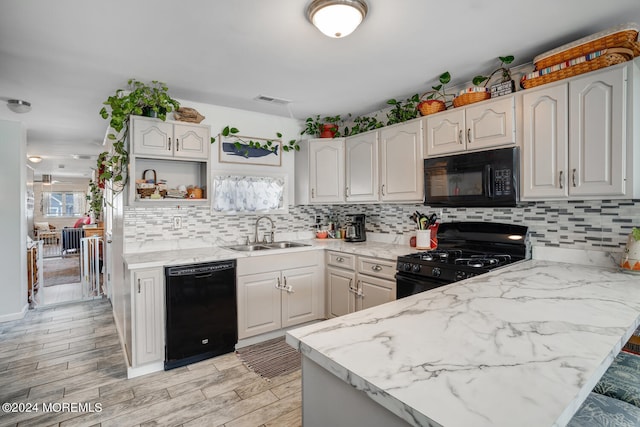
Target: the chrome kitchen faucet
pixel 273 227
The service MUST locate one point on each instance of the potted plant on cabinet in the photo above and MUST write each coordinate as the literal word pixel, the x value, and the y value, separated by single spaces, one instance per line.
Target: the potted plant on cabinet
pixel 506 84
pixel 328 127
pixel 436 99
pixel 138 99
pixel 403 110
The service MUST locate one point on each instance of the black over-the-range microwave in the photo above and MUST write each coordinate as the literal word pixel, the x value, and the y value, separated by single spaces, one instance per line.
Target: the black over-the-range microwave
pixel 483 179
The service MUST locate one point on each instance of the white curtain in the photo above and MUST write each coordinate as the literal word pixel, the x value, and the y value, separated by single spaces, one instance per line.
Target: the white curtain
pixel 247 193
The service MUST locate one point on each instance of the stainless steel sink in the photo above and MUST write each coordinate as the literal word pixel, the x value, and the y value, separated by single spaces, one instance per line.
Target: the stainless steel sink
pixel 247 248
pixel 265 246
pixel 284 245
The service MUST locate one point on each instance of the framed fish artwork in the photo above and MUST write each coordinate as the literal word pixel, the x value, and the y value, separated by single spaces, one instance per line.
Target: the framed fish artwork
pixel 249 150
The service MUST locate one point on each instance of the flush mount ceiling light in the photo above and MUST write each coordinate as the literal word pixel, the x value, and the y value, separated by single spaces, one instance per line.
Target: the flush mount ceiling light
pixel 19 106
pixel 337 18
pixel 35 159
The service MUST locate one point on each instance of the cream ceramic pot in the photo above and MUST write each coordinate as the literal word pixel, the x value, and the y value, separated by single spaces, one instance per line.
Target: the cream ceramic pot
pixel 631 255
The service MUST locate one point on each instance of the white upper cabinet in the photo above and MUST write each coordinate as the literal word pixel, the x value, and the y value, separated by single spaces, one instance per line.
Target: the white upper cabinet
pixel 476 127
pixel 401 162
pixel 597 138
pixel 446 132
pixel 545 144
pixel 326 170
pixel 361 157
pixel 577 141
pixel 154 137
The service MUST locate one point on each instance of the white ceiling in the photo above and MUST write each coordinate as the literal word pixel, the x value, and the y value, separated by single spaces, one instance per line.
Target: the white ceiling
pixel 67 56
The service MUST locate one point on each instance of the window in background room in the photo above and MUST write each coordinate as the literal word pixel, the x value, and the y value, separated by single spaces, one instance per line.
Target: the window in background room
pixel 64 203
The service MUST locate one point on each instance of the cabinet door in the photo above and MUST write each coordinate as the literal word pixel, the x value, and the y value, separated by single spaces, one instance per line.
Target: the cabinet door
pixel 491 123
pixel 546 143
pixel 300 296
pixel 445 133
pixel 374 291
pixel 401 162
pixel 361 153
pixel 259 304
pixel 597 143
pixel 152 137
pixel 341 285
pixel 191 141
pixel 326 171
pixel 148 318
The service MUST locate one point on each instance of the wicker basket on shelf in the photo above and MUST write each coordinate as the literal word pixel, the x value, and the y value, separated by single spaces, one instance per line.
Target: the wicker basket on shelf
pixel 145 190
pixel 607 58
pixel 431 106
pixel 624 36
pixel 470 98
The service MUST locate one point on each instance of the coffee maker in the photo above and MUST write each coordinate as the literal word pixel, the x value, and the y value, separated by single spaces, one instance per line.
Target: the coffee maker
pixel 355 229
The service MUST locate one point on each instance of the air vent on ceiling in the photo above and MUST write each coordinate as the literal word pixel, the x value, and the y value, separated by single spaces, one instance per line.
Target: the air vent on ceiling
pixel 61 166
pixel 272 99
pixel 82 156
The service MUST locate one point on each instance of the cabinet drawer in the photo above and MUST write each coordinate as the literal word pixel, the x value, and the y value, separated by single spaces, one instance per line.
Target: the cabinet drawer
pixel 377 267
pixel 339 259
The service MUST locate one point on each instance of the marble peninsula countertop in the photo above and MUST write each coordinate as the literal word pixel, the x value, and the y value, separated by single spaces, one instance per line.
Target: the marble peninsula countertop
pixel 181 256
pixel 522 345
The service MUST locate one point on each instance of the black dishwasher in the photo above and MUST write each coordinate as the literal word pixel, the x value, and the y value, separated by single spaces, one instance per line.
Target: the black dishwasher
pixel 201 319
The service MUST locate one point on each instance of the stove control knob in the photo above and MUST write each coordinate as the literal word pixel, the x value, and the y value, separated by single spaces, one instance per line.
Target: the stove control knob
pixel 436 272
pixel 416 268
pixel 406 267
pixel 460 275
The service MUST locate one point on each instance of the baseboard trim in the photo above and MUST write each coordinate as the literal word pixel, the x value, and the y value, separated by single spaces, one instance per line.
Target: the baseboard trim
pixel 144 370
pixel 14 316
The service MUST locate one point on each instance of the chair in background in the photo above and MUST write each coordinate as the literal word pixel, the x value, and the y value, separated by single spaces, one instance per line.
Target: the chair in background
pixel 71 240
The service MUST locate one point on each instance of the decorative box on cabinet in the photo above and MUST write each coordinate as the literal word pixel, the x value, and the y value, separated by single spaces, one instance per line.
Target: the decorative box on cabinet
pixel 478 126
pixel 579 137
pixel 178 153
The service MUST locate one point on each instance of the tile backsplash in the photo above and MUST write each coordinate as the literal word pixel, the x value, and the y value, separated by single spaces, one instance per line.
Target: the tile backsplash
pixel 594 225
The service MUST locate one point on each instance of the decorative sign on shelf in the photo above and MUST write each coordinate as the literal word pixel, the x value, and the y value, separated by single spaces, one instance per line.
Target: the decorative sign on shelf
pixel 250 151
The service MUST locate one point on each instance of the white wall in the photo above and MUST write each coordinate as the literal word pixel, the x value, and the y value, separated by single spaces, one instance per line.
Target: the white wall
pixel 13 233
pixel 249 124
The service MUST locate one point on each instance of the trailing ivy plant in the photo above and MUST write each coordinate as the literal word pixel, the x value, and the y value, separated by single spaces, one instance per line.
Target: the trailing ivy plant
pixel 506 73
pixel 363 124
pixel 95 199
pixel 268 145
pixel 403 110
pixel 139 98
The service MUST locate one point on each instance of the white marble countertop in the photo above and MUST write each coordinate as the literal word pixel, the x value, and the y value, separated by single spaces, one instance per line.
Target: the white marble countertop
pixel 523 345
pixel 183 256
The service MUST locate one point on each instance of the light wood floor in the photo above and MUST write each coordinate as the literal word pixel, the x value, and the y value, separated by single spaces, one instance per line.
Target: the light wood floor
pixel 60 293
pixel 71 354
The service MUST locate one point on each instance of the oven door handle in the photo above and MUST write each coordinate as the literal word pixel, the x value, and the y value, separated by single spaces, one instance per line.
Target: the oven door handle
pixel 416 280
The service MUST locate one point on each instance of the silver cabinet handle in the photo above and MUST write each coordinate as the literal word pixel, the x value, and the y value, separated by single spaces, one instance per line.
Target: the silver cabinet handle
pixel 109 241
pixel 560 180
pixel 177 144
pixel 573 177
pixel 346 191
pixel 312 194
pixel 286 287
pixel 469 135
pixel 376 267
pixel 351 288
pixel 460 136
pixel 169 145
pixel 138 285
pixel 278 283
pixel 340 259
pixel 382 189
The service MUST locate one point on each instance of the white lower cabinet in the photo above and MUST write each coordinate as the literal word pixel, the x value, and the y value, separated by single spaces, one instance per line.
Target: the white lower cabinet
pixel 148 316
pixel 355 283
pixel 278 291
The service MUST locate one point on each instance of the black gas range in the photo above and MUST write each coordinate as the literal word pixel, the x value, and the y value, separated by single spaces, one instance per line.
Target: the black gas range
pixel 465 249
